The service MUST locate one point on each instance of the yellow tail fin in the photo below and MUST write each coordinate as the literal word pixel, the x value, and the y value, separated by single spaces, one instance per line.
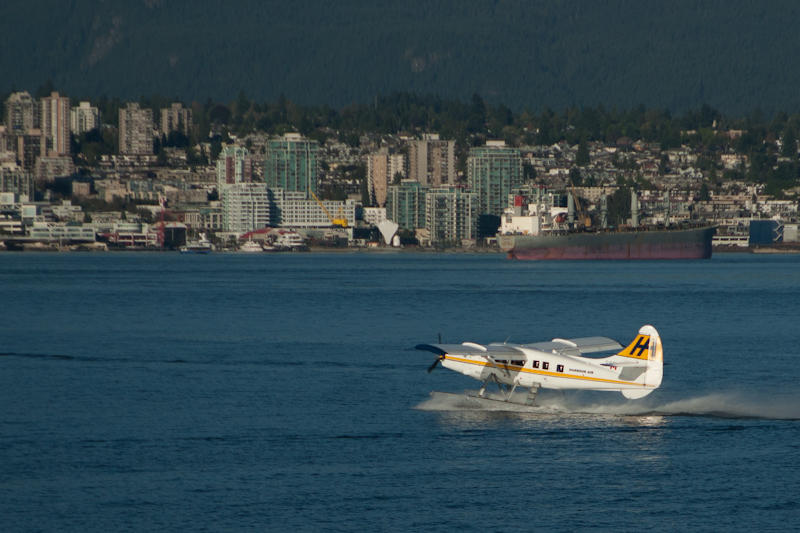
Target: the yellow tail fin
pixel 638 349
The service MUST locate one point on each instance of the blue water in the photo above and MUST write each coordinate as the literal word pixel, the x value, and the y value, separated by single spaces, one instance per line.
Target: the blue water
pixel 281 392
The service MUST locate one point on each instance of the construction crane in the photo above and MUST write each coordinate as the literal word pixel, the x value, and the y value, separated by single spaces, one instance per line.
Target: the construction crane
pixel 340 220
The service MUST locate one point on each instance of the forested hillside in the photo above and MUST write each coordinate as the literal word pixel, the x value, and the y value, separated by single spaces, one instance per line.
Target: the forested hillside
pixel 734 55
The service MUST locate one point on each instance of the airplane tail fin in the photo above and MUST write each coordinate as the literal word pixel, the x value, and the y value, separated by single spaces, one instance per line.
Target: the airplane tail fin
pixel 645 347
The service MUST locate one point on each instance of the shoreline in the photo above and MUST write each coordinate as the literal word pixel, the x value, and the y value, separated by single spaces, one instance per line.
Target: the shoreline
pixel 775 249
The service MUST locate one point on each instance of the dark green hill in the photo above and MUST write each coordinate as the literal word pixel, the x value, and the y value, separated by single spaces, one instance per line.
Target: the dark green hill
pixel 735 55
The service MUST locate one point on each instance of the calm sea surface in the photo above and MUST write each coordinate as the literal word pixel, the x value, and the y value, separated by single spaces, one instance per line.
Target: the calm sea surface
pixel 282 392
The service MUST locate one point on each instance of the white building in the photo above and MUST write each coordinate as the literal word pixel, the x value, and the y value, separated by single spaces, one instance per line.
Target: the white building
pixel 451 215
pixel 294 211
pixel 83 118
pixel 46 231
pixel 68 212
pixel 374 215
pixel 234 165
pixel 245 207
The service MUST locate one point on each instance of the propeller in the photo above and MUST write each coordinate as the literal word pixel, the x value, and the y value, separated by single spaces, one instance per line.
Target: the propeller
pixel 438 359
pixel 430 368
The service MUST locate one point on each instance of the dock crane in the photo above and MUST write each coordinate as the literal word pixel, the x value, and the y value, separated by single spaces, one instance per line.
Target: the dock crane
pixel 340 220
pixel 584 219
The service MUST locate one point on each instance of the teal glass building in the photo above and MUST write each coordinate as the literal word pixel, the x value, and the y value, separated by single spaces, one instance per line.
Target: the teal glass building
pixel 493 171
pixel 292 164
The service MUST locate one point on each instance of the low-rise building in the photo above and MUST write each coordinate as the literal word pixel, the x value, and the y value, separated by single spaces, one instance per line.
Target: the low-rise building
pixel 293 210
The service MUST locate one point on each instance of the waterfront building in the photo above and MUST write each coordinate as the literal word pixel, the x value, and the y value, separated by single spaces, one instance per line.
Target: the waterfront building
pixel 245 207
pixel 133 235
pixel 175 118
pixel 234 165
pixel 211 217
pixel 55 124
pixel 135 130
pixel 451 215
pixel 374 215
pixel 405 204
pixel 294 210
pixel 84 117
pixel 493 171
pixel 382 167
pixel 291 164
pixel 54 232
pixel 22 113
pixel 432 161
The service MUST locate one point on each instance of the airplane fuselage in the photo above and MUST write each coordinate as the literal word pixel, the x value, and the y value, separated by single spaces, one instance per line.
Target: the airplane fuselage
pixel 546 370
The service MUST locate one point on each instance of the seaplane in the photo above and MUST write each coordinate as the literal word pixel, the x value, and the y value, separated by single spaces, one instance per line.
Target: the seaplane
pixel 586 363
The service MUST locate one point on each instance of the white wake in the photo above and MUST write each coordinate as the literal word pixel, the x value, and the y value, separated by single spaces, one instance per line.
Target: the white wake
pixel 717 405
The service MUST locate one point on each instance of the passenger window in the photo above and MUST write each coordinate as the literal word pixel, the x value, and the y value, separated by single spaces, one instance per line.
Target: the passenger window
pixel 545 365
pixel 560 368
pixel 535 364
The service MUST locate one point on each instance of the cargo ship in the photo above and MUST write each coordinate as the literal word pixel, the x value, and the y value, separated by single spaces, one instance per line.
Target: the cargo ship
pixel 543 233
pixel 690 243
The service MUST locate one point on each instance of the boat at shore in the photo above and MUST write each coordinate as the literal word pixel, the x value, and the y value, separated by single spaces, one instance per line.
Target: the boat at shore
pixel 200 246
pixel 250 246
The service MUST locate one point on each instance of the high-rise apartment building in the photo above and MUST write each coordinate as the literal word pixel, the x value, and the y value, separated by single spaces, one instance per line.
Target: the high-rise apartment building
pixel 17 181
pixel 30 146
pixel 451 215
pixel 405 204
pixel 493 171
pixel 22 113
pixel 234 165
pixel 432 161
pixel 135 130
pixel 382 167
pixel 55 120
pixel 245 207
pixel 291 163
pixel 83 118
pixel 175 118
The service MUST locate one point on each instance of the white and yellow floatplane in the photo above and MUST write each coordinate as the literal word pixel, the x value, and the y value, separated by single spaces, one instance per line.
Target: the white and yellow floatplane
pixel 635 370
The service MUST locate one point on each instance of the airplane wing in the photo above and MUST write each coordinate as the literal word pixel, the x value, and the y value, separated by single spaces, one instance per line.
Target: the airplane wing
pixel 491 351
pixel 507 351
pixel 594 344
pixel 577 347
